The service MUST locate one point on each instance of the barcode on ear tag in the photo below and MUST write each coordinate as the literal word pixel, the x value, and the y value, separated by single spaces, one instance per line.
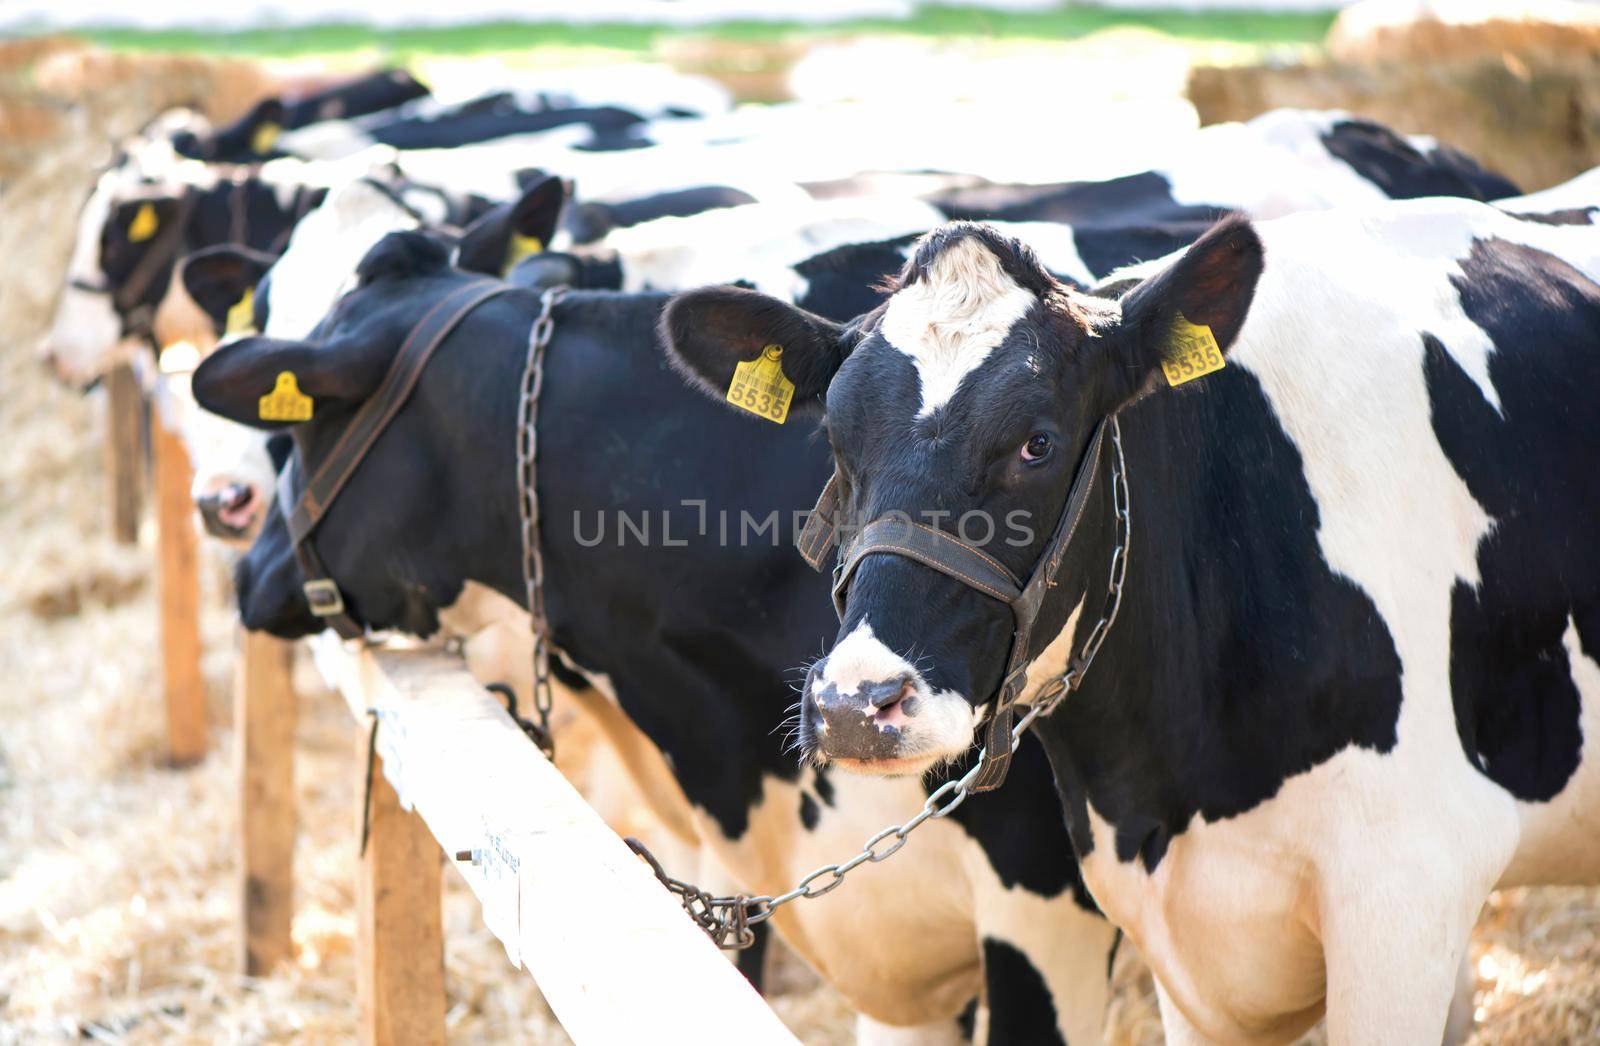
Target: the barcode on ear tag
pixel 285 402
pixel 1193 353
pixel 760 387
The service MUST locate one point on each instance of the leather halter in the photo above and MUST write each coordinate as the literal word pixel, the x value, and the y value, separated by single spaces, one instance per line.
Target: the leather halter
pixel 138 316
pixel 898 534
pixel 357 440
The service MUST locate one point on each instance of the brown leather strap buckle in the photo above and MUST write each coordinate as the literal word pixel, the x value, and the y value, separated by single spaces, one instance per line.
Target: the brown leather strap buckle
pixel 324 597
pixel 821 531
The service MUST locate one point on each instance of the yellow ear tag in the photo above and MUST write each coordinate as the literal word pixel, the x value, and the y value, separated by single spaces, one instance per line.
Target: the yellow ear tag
pixel 1194 353
pixel 285 402
pixel 144 224
pixel 519 248
pixel 264 138
pixel 242 316
pixel 760 387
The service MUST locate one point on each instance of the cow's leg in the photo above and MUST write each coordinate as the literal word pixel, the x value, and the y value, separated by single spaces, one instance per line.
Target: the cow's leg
pixel 1458 1028
pixel 940 1033
pixel 752 961
pixel 1393 950
pixel 1050 987
pixel 1175 1027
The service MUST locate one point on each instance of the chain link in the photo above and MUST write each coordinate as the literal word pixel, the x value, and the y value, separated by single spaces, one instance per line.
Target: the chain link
pixel 528 509
pixel 728 919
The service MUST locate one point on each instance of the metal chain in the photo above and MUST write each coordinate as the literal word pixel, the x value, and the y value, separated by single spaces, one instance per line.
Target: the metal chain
pixel 528 507
pixel 727 920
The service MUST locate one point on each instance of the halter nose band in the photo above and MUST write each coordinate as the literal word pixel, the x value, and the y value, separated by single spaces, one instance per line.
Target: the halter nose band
pixel 898 534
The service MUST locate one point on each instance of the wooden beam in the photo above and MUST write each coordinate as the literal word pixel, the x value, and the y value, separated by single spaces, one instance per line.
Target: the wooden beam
pixel 177 567
pixel 399 922
pixel 264 712
pixel 614 955
pixel 124 450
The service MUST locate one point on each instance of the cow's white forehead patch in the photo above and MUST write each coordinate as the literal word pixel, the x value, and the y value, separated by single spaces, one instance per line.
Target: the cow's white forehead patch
pixel 950 320
pixel 320 262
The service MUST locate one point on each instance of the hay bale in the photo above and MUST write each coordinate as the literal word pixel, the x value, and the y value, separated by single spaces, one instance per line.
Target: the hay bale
pixel 1515 83
pixel 1538 126
pixel 1453 32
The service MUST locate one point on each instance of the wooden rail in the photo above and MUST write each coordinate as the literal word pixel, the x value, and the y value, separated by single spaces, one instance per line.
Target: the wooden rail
pixel 125 429
pixel 614 955
pixel 178 582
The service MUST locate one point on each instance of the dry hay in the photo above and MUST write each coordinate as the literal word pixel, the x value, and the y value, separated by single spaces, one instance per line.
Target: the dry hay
pixel 1440 32
pixel 1514 84
pixel 118 917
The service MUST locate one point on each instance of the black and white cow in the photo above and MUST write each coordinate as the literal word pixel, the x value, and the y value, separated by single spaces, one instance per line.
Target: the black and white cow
pixel 594 220
pixel 234 473
pixel 135 229
pixel 1354 684
pixel 692 633
pixel 846 281
pixel 131 234
pixel 1283 161
pixel 254 136
pixel 475 121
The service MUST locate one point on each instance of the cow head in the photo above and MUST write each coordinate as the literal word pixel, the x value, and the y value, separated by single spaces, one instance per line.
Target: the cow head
pixel 120 268
pixel 396 497
pixel 965 403
pixel 245 291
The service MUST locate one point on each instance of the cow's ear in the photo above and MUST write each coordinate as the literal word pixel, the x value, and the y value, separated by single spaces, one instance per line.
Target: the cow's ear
pixel 256 134
pixel 271 384
pixel 513 231
pixel 1201 298
pixel 141 219
pixel 403 256
pixel 709 332
pixel 219 279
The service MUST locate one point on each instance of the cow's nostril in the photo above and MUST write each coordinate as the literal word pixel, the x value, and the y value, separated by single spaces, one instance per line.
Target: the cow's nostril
pixel 882 696
pixel 235 496
pixel 899 707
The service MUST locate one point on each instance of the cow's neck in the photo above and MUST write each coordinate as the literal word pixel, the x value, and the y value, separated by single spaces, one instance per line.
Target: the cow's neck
pixel 1238 658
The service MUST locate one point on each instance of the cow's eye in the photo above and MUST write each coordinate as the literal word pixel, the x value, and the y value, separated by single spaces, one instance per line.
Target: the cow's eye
pixel 1037 448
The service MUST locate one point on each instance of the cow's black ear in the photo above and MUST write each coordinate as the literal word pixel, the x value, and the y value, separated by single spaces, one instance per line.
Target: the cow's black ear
pixel 1211 286
pixel 218 279
pixel 403 256
pixel 709 332
pixel 271 384
pixel 513 231
pixel 253 136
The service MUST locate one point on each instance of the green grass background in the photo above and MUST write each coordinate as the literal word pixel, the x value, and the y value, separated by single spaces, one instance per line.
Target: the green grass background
pixel 1249 30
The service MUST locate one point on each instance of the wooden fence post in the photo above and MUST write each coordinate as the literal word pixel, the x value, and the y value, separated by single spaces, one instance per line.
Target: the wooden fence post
pixel 264 713
pixel 124 450
pixel 177 566
pixel 399 921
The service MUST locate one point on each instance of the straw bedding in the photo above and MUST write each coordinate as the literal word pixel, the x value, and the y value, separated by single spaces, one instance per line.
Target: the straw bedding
pixel 118 914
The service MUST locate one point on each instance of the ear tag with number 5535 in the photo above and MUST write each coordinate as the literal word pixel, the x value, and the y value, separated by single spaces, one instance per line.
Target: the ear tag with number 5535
pixel 285 402
pixel 1194 353
pixel 760 387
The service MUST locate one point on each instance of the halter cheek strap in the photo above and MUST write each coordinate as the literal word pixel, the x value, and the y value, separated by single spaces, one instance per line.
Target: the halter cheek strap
pixel 357 440
pixel 897 534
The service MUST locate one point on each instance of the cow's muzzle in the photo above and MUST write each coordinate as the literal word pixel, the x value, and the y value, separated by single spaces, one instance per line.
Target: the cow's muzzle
pixel 230 513
pixel 888 722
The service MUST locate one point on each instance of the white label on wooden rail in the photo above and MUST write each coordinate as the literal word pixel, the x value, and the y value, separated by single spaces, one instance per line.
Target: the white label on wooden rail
pixel 500 870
